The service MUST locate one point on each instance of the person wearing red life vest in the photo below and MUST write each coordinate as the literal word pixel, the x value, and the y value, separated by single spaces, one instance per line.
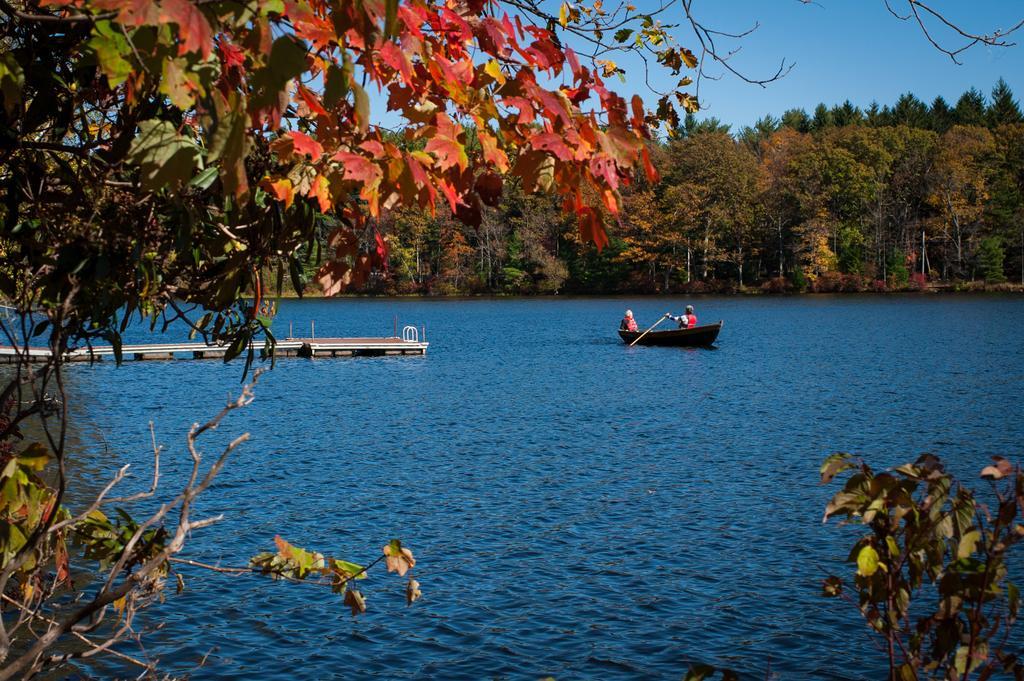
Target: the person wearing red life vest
pixel 628 323
pixel 687 320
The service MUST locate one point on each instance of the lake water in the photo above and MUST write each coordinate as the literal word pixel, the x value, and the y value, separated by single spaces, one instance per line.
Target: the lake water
pixel 577 508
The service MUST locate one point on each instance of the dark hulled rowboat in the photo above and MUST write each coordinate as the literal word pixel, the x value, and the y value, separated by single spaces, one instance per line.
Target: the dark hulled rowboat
pixel 698 336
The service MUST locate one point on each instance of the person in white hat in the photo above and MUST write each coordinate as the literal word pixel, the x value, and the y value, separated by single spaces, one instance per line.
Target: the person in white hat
pixel 687 320
pixel 628 323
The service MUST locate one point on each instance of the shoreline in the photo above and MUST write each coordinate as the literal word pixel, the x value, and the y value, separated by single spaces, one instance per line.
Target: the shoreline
pixel 971 289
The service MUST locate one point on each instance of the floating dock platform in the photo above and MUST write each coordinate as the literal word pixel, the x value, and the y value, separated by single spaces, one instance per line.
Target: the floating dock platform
pixel 410 344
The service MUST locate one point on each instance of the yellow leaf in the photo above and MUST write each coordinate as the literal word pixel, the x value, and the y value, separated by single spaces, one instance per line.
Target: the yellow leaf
pixel 563 15
pixel 493 69
pixel 867 561
pixel 967 544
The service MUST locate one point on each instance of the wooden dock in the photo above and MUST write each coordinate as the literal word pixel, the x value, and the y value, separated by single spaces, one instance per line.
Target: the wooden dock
pixel 289 347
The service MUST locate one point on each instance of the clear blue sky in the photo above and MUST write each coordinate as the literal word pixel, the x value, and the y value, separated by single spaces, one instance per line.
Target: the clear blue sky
pixel 850 49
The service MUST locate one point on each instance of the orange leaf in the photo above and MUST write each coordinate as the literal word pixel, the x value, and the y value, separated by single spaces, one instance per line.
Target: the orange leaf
pixel 321 189
pixel 493 154
pixel 296 143
pixel 281 189
pixel 445 144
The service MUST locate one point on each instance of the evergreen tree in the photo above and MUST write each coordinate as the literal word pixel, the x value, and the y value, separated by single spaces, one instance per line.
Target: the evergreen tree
pixel 941 115
pixel 877 116
pixel 910 111
pixel 847 114
pixel 797 119
pixel 970 109
pixel 1003 110
pixel 691 126
pixel 990 257
pixel 822 118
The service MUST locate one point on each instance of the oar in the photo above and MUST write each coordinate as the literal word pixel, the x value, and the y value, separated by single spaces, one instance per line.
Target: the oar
pixel 648 330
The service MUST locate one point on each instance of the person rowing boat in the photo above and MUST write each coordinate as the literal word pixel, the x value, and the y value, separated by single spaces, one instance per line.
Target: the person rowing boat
pixel 687 320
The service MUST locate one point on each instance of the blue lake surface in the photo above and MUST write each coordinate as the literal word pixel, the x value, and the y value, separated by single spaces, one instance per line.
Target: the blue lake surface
pixel 577 508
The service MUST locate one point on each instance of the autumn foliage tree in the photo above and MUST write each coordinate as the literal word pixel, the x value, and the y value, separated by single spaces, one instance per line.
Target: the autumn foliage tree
pixel 161 158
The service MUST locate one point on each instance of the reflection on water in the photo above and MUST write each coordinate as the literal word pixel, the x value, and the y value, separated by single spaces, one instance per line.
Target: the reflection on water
pixel 577 508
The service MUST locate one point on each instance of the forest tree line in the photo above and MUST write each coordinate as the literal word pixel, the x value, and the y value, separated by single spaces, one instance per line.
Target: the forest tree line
pixel 886 198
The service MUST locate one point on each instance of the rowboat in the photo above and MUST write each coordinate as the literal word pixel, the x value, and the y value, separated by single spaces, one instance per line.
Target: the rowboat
pixel 698 336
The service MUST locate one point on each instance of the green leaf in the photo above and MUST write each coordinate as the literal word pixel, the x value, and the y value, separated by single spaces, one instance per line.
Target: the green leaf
pixel 390 17
pixel 12 79
pixel 110 47
pixel 35 456
pixel 229 143
pixel 178 84
pixel 623 34
pixel 287 58
pixel 204 179
pixel 336 85
pixel 350 569
pixel 967 544
pixel 271 7
pixel 867 561
pixel 834 465
pixel 166 159
pixel 237 345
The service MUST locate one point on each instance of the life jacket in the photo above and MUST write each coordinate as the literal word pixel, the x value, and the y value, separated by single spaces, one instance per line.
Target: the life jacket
pixel 691 320
pixel 629 324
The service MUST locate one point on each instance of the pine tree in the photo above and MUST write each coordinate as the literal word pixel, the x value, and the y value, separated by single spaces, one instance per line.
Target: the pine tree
pixel 797 119
pixel 1003 110
pixel 941 115
pixel 847 114
pixel 877 116
pixel 990 257
pixel 910 111
pixel 970 109
pixel 822 118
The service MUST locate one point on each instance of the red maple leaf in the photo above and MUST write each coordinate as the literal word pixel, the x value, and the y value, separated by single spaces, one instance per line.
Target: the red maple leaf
pixel 312 101
pixel 304 144
pixel 652 172
pixel 549 141
pixel 359 168
pixel 591 228
pixel 193 28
